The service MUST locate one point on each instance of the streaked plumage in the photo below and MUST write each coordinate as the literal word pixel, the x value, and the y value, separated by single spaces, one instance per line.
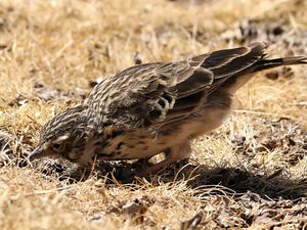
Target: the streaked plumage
pixel 152 108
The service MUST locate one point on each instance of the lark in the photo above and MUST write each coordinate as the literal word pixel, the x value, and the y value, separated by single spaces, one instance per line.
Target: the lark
pixel 154 108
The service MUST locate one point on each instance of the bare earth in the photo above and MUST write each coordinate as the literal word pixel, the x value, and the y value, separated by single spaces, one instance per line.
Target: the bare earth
pixel 251 173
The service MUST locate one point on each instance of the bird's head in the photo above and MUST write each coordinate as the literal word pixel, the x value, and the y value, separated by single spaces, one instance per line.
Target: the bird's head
pixel 63 136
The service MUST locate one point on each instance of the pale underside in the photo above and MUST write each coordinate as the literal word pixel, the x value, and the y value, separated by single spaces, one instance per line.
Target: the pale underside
pixel 175 140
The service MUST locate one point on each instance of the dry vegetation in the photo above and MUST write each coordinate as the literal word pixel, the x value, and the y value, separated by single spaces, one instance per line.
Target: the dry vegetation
pixel 250 173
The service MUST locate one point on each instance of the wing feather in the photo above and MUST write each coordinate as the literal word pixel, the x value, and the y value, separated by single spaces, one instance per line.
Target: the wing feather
pixel 155 94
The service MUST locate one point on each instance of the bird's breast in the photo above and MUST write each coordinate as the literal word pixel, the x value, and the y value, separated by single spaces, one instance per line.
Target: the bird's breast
pixel 134 144
pixel 143 143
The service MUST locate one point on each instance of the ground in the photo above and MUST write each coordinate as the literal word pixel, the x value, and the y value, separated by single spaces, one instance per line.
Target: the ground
pixel 250 173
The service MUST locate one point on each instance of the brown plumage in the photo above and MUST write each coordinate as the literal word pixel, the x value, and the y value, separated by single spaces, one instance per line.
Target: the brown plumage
pixel 152 108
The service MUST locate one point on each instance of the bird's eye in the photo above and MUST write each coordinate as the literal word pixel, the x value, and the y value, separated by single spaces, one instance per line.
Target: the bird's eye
pixel 56 146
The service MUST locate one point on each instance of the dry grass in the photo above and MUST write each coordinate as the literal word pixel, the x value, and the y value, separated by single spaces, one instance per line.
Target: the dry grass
pixel 250 173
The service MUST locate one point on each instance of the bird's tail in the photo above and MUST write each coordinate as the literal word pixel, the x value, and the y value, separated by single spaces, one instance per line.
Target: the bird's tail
pixel 235 82
pixel 267 64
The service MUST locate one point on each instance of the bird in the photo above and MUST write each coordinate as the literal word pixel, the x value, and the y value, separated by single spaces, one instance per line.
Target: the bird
pixel 154 108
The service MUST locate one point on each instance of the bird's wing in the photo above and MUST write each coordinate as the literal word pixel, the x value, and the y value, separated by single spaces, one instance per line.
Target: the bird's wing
pixel 227 63
pixel 143 95
pixel 156 94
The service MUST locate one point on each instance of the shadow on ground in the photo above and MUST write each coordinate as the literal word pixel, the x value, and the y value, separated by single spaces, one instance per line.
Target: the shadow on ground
pixel 233 180
pixel 283 135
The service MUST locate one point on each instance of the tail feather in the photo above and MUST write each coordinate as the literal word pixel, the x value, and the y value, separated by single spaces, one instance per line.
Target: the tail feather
pixel 295 60
pixel 233 83
pixel 267 64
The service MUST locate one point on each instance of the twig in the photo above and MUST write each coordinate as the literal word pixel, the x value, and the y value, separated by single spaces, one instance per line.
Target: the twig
pixel 50 191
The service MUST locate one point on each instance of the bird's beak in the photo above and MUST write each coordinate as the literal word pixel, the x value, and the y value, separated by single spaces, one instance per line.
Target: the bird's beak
pixel 37 153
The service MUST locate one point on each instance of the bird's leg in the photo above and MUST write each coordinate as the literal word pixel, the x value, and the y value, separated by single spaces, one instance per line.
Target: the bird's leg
pixel 173 154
